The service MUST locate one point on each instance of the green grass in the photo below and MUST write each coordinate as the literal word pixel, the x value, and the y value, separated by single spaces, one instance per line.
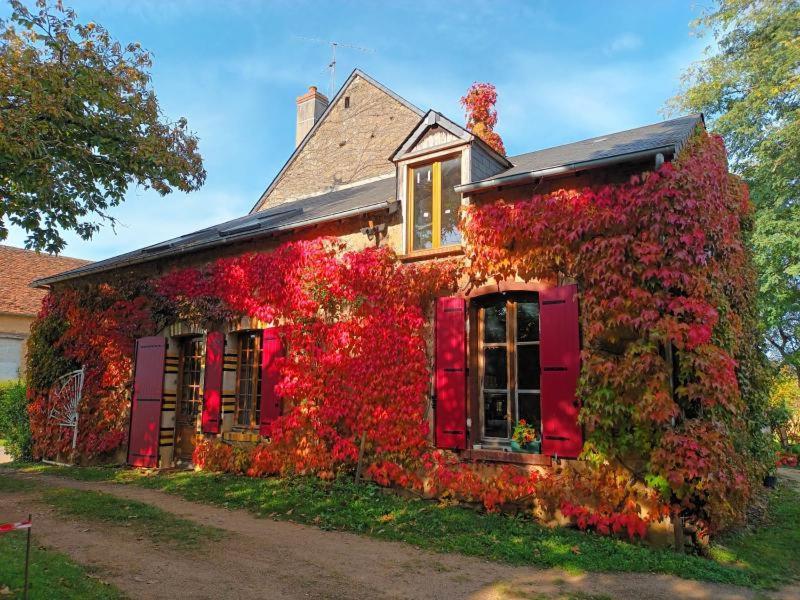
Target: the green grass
pixel 52 574
pixel 762 559
pixel 157 525
pixel 773 551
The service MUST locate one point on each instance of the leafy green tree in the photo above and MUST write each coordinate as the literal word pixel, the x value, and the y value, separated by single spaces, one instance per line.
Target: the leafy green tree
pixel 748 86
pixel 79 123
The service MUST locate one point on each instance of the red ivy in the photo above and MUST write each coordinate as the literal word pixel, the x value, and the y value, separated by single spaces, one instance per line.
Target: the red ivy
pixel 481 114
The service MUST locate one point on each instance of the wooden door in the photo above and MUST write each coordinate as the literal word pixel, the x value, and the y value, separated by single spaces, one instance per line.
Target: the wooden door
pixel 189 397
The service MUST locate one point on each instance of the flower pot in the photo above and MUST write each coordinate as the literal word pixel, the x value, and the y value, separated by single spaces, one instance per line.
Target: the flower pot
pixel 530 447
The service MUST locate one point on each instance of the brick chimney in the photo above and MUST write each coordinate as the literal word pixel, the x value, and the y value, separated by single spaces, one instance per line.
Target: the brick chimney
pixel 310 107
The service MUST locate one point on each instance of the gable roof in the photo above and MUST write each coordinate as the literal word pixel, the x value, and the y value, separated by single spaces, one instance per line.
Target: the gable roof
pixel 20 268
pixel 318 123
pixel 373 196
pixel 666 136
pixel 434 118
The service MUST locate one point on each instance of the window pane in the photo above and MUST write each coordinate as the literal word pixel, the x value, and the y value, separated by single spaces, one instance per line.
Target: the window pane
pixel 528 367
pixel 494 323
pixel 422 219
pixel 495 409
pixel 527 322
pixel 247 388
pixel 495 375
pixel 451 201
pixel 189 401
pixel 530 409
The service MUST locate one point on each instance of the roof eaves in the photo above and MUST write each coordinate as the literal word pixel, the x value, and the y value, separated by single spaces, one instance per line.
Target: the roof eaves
pixel 302 144
pixel 137 257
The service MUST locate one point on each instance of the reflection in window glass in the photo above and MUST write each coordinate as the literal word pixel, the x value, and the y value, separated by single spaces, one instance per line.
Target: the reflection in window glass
pixel 495 373
pixel 422 182
pixel 451 202
pixel 494 324
pixel 495 411
pixel 527 322
pixel 528 367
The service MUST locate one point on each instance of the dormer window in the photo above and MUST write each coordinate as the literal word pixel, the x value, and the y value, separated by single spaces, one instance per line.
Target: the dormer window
pixel 433 206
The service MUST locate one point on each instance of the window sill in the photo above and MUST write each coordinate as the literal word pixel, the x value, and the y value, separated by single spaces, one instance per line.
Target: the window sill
pixel 518 458
pixel 245 435
pixel 431 253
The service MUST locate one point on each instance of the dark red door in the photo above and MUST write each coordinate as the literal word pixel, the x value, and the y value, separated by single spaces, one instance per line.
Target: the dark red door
pixel 560 365
pixel 451 373
pixel 148 388
pixel 271 351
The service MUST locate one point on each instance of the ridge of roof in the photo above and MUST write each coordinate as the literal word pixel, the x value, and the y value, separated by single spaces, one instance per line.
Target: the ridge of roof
pixel 355 73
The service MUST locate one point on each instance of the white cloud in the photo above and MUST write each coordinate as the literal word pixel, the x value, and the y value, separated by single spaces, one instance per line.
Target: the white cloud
pixel 625 42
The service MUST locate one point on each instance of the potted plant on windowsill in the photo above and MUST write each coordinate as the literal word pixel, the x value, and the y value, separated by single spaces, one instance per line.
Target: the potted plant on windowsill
pixel 525 439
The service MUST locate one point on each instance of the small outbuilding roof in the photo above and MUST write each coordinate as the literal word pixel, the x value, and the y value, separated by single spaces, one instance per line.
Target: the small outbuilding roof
pixel 371 196
pixel 19 268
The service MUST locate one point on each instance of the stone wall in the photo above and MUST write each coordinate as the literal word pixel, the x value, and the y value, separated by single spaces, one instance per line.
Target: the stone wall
pixel 351 144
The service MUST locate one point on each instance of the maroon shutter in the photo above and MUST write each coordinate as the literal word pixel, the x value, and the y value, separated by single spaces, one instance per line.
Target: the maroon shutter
pixel 212 385
pixel 148 388
pixel 451 373
pixel 271 350
pixel 560 360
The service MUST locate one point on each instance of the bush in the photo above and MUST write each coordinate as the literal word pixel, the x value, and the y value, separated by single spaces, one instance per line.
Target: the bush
pixel 14 424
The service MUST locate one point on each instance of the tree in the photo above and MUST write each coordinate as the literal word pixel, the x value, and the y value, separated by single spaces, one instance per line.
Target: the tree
pixel 749 90
pixel 79 123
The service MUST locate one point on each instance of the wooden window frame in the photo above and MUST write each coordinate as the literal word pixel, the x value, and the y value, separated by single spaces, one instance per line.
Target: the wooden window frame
pixel 436 204
pixel 181 387
pixel 512 385
pixel 255 381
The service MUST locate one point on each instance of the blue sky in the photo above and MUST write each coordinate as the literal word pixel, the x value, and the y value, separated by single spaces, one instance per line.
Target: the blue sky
pixel 564 71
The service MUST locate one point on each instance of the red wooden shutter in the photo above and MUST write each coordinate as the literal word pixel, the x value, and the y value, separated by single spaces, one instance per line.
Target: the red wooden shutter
pixel 212 385
pixel 560 361
pixel 148 388
pixel 451 373
pixel 271 350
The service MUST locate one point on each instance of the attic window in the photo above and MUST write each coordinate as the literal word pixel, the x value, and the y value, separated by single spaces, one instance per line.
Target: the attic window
pixel 433 205
pixel 347 101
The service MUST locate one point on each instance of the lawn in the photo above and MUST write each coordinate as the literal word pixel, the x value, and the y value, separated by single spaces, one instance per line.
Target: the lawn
pixel 765 558
pixel 52 574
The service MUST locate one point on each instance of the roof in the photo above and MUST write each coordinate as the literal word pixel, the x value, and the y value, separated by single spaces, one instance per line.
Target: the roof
pixel 434 118
pixel 370 196
pixel 672 133
pixel 321 119
pixel 20 268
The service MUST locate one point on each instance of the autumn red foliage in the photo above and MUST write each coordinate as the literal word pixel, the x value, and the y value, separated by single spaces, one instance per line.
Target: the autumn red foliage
pixel 100 326
pixel 663 275
pixel 479 105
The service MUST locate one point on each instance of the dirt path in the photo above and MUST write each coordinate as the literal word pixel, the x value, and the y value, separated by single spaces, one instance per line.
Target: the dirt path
pixel 261 558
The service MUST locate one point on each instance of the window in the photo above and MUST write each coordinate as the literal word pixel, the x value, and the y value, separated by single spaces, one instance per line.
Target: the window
pixel 189 397
pixel 248 380
pixel 433 206
pixel 508 354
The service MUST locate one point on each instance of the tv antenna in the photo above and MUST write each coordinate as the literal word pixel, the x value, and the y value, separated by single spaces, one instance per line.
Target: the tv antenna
pixel 332 64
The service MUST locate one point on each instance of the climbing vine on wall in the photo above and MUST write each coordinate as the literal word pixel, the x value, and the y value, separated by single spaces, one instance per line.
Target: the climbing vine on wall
pixel 664 279
pixel 479 105
pixel 94 328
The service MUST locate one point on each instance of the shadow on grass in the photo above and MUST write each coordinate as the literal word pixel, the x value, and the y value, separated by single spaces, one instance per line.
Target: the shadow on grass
pixel 764 558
